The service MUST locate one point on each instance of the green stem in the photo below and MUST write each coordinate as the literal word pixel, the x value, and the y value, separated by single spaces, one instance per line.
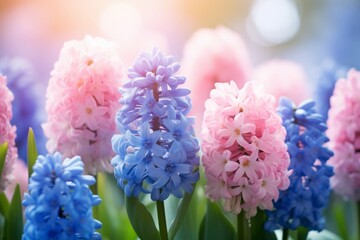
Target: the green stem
pixel 358 218
pixel 302 233
pixel 244 231
pixel 285 235
pixel 162 220
pixel 240 225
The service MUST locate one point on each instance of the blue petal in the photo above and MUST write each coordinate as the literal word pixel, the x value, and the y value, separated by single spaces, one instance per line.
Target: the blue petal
pixel 307 104
pixel 160 162
pixel 134 140
pixel 158 150
pixel 183 168
pixel 141 153
pixel 161 181
pixel 175 179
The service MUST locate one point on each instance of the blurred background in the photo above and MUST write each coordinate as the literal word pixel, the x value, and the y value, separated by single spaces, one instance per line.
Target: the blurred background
pixel 305 31
pixel 313 34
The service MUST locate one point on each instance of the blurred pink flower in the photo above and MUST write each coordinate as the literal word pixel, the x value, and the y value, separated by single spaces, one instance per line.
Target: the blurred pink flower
pixel 20 175
pixel 283 78
pixel 244 153
pixel 124 23
pixel 210 56
pixel 344 134
pixel 7 133
pixel 82 101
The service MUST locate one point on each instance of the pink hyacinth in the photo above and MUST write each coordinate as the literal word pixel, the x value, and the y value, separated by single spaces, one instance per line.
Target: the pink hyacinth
pixel 20 176
pixel 244 153
pixel 82 101
pixel 210 56
pixel 283 78
pixel 7 133
pixel 344 134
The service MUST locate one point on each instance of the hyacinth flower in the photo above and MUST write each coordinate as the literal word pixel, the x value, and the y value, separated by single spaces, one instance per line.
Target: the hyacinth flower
pixel 244 153
pixel 325 80
pixel 82 101
pixel 27 110
pixel 344 134
pixel 213 55
pixel 59 202
pixel 156 151
pixel 303 202
pixel 19 176
pixel 7 134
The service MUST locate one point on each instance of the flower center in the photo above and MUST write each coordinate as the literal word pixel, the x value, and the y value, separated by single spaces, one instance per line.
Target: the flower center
pixel 246 163
pixel 223 183
pixel 147 144
pixel 148 158
pixel 237 131
pixel 177 135
pixel 150 103
pixel 61 213
pixel 80 83
pixel 88 110
pixel 89 62
pixel 169 168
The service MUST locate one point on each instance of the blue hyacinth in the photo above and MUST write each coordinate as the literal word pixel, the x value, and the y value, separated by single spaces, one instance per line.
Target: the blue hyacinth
pixel 303 202
pixel 27 110
pixel 156 151
pixel 59 203
pixel 325 81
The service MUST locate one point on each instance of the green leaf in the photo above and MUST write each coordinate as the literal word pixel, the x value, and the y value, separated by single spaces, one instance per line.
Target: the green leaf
pixel 13 220
pixel 180 215
pixel 302 233
pixel 32 152
pixel 257 227
pixel 114 223
pixel 215 225
pixel 4 204
pixel 141 219
pixel 2 225
pixel 340 219
pixel 3 151
pixel 190 227
pixel 202 229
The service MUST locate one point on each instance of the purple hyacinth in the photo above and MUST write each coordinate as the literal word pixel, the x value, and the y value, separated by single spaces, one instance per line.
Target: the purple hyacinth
pixel 156 148
pixel 27 110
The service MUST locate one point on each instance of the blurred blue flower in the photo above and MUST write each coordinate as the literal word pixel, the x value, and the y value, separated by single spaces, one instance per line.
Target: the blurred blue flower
pixel 156 151
pixel 343 21
pixel 303 202
pixel 27 109
pixel 59 203
pixel 328 73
